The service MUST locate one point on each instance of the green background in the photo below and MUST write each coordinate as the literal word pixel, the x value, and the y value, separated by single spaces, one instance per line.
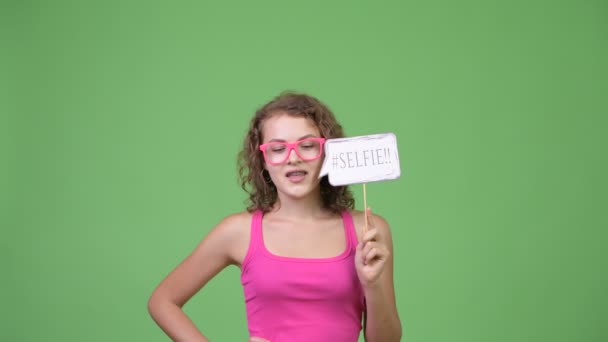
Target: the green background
pixel 121 121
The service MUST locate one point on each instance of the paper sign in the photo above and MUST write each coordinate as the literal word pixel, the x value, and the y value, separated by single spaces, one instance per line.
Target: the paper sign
pixel 362 159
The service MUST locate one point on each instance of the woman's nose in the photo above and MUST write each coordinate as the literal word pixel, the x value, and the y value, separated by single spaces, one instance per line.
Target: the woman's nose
pixel 293 156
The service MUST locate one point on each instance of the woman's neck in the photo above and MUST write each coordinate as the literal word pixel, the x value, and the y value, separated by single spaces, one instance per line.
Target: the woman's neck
pixel 301 208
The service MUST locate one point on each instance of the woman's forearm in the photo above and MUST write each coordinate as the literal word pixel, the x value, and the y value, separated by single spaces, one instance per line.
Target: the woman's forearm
pixel 174 322
pixel 382 323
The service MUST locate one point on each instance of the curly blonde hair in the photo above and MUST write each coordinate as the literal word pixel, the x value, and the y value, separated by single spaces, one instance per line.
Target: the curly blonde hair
pixel 255 180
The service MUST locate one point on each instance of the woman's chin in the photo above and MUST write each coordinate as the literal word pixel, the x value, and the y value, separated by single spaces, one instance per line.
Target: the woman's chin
pixel 298 191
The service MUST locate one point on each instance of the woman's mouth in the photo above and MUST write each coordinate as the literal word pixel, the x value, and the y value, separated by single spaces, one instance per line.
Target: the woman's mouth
pixel 296 175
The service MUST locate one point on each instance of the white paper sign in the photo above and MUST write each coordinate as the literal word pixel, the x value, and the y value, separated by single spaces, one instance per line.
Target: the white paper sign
pixel 362 159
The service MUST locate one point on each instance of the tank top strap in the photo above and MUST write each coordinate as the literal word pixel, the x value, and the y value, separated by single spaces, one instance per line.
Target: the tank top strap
pixel 349 226
pixel 255 238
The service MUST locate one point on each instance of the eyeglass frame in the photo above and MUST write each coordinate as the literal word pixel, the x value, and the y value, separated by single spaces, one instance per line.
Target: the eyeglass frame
pixel 292 147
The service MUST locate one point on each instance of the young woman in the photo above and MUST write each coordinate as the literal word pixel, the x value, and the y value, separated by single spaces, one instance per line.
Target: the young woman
pixel 308 270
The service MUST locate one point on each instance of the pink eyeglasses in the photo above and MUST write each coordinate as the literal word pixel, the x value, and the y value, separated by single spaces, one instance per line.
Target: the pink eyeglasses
pixel 307 149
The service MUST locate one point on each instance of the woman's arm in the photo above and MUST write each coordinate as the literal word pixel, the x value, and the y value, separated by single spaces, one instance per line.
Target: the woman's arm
pixel 223 246
pixel 375 268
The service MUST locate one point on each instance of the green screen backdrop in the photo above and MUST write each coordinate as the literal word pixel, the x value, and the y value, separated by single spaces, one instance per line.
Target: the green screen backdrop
pixel 121 121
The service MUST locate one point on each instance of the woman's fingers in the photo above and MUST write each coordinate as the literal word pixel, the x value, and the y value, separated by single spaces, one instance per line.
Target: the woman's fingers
pixel 370 217
pixel 372 250
pixel 370 235
pixel 370 255
pixel 368 247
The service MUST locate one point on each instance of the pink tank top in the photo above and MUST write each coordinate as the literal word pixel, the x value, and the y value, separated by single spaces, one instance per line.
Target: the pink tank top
pixel 302 299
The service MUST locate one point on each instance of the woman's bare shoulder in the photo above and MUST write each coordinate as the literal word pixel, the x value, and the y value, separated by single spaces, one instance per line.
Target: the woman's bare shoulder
pixel 377 220
pixel 232 234
pixel 233 225
pixel 236 220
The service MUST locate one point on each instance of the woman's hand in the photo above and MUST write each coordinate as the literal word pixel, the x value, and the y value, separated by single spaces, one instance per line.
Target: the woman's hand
pixel 371 254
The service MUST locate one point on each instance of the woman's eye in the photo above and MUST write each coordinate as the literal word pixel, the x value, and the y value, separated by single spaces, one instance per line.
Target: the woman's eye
pixel 278 149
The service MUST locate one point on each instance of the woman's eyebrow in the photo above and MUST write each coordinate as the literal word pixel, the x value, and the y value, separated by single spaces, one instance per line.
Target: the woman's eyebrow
pixel 304 137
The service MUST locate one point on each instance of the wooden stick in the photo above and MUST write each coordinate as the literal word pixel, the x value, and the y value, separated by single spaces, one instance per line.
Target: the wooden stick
pixel 365 209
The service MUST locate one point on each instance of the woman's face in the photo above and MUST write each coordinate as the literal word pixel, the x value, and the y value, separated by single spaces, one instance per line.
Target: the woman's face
pixel 294 177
